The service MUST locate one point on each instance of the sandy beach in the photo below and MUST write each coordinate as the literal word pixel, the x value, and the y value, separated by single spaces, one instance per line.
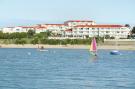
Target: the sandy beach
pixel 121 47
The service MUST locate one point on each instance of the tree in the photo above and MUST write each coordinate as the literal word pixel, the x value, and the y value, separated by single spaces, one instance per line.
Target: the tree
pixel 20 41
pixel 1 35
pixel 127 25
pixel 30 33
pixel 35 41
pixel 48 33
pixel 133 30
pixel 17 35
pixel 43 35
pixel 107 37
pixel 112 37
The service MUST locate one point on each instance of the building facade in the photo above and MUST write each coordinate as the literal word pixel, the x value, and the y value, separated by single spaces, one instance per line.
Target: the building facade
pixel 117 31
pixel 75 29
pixel 72 23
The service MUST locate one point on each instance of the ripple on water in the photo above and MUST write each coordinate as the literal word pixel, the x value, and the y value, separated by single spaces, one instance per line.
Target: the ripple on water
pixel 66 69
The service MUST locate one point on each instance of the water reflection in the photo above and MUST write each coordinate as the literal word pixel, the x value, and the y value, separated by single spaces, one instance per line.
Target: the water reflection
pixel 93 58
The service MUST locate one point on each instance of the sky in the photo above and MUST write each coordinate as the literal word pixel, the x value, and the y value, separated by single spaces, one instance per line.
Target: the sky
pixel 28 12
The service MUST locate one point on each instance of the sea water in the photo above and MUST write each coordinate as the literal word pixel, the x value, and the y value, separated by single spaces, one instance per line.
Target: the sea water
pixel 66 69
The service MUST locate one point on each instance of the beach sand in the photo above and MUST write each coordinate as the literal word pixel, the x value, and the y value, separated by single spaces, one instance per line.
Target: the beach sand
pixel 121 47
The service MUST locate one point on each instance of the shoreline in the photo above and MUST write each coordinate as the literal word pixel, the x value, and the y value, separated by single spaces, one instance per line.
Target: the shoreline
pixel 107 47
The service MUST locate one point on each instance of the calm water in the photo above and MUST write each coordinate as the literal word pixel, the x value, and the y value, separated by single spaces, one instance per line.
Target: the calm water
pixel 66 69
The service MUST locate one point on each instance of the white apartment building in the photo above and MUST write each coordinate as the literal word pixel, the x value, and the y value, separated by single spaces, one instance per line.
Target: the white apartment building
pixel 117 31
pixel 7 30
pixel 36 28
pixel 72 23
pixel 56 28
pixel 39 28
pixel 16 29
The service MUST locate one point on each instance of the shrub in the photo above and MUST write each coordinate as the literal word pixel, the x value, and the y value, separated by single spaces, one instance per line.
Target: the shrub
pixel 34 41
pixel 20 41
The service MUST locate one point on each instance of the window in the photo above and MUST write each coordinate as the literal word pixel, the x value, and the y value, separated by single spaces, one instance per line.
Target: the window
pixel 87 28
pixel 80 31
pixel 60 27
pixel 74 23
pixel 17 29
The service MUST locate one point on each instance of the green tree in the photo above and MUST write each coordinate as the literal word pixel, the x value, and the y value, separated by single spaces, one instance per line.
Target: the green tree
pixel 30 33
pixel 127 25
pixel 20 41
pixel 112 37
pixel 1 35
pixel 35 41
pixel 107 37
pixel 17 35
pixel 48 33
pixel 133 30
pixel 63 42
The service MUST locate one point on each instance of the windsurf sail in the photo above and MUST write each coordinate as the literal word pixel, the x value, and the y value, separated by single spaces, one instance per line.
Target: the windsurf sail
pixel 93 47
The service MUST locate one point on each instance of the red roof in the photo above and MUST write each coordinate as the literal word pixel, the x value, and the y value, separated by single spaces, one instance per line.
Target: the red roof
pixel 101 26
pixel 40 27
pixel 34 27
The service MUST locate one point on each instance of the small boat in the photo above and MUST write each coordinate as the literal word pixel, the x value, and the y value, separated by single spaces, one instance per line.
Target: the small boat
pixel 42 49
pixel 93 47
pixel 115 52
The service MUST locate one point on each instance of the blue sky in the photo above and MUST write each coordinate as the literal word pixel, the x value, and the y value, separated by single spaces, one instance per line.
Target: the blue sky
pixel 25 12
